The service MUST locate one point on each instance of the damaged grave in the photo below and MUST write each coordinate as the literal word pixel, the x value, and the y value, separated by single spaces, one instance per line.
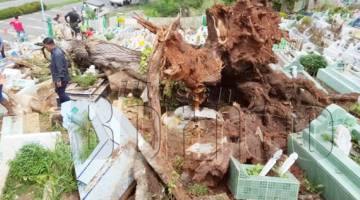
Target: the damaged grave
pixel 100 146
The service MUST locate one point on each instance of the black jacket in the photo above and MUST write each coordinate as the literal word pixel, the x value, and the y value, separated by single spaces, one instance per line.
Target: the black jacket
pixel 59 65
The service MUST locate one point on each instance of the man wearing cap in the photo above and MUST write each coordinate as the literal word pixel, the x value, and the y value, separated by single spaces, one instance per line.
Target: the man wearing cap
pixel 59 69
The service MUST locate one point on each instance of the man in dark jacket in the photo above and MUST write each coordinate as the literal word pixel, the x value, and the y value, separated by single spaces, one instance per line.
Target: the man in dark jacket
pixel 59 69
pixel 73 18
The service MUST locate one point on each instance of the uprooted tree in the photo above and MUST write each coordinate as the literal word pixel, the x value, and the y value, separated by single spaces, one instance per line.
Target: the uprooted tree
pixel 237 55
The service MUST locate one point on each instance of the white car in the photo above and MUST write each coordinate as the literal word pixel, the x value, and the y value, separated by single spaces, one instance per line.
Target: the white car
pixel 123 2
pixel 118 2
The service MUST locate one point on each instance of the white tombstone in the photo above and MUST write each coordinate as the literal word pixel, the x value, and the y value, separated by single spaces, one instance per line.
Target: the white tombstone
pixel 343 139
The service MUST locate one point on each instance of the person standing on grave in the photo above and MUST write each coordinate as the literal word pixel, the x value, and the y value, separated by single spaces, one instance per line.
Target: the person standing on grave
pixel 19 28
pixel 59 68
pixel 73 18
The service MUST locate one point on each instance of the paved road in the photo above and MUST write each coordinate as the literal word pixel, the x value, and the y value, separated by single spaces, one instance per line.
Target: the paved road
pixel 33 23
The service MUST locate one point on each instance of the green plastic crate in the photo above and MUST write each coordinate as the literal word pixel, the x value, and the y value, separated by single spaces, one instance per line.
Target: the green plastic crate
pixel 338 174
pixel 244 186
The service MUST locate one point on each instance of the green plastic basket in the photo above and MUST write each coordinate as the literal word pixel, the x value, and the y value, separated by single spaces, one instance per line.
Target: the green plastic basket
pixel 244 186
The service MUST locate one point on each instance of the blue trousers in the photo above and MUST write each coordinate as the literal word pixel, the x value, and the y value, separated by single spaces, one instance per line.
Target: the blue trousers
pixel 1 95
pixel 63 97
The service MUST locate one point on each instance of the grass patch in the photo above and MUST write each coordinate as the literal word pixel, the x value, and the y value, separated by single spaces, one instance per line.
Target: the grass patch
pixel 197 189
pixel 58 127
pixel 255 170
pixel 355 109
pixel 85 81
pixel 312 187
pixel 327 137
pixel 355 153
pixel 178 164
pixel 61 4
pixel 89 137
pixel 36 167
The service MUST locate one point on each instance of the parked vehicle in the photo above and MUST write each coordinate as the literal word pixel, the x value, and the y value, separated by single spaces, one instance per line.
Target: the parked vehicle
pixel 123 2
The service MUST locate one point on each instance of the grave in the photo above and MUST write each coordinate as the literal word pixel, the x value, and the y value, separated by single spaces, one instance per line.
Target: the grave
pixel 323 161
pixel 93 93
pixel 17 125
pixel 342 78
pixel 285 52
pixel 296 70
pixel 109 166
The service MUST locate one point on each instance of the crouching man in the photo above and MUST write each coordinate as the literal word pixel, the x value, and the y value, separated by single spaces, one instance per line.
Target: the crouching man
pixel 59 69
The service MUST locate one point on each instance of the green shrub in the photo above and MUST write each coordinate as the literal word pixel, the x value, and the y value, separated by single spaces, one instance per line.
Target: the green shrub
pixel 145 54
pixel 276 5
pixel 312 63
pixel 20 10
pixel 109 36
pixel 36 167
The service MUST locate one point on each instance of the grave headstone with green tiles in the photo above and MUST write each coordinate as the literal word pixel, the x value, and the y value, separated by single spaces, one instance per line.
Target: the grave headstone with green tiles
pixel 325 159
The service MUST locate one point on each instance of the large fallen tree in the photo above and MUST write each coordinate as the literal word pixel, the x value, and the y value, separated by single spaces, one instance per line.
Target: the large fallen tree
pixel 237 55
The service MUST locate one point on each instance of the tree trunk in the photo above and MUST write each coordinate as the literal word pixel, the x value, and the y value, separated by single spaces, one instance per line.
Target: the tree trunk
pixel 105 56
